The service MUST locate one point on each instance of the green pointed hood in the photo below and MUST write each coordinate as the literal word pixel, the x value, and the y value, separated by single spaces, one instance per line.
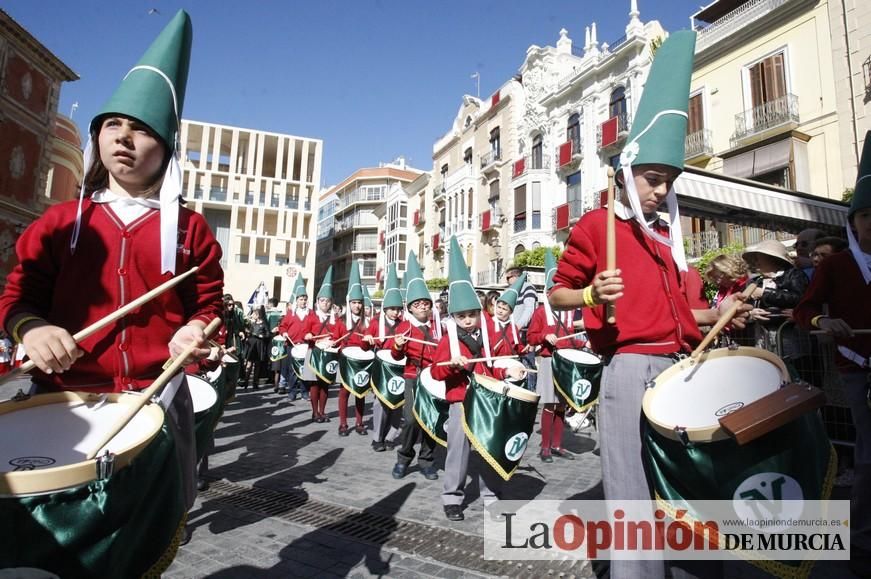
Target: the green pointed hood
pixel 549 268
pixel 367 299
pixel 659 129
pixel 862 191
pixel 153 91
pixel 392 295
pixel 355 288
pixel 415 286
pixel 461 292
pixel 510 295
pixel 298 289
pixel 326 290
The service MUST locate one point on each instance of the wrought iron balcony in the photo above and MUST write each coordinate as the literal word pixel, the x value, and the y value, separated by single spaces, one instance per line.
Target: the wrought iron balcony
pixel 738 19
pixel 490 158
pixel 769 118
pixel 699 145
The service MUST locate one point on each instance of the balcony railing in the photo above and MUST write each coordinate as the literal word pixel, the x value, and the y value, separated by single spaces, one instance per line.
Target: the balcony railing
pixel 780 111
pixel 370 246
pixel 362 196
pixel 519 224
pixel 487 278
pixel 737 19
pixel 699 144
pixel 698 244
pixel 490 157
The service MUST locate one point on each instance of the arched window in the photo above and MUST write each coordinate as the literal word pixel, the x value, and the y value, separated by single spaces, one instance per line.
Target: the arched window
pixel 537 154
pixel 618 107
pixel 573 131
pixel 519 249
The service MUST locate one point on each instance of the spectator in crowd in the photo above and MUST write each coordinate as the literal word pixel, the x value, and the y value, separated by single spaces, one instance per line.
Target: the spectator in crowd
pixel 522 315
pixel 804 243
pixel 728 273
pixel 491 298
pixel 824 247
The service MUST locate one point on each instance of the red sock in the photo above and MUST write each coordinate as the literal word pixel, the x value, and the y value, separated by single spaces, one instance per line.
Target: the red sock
pixel 322 400
pixel 559 423
pixel 314 394
pixel 546 427
pixel 343 407
pixel 359 406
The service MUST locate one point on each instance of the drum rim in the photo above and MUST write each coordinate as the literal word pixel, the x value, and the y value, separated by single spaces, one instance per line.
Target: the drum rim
pixel 562 351
pixel 426 376
pixel 193 378
pixel 714 432
pixel 354 350
pixel 498 386
pixel 54 479
pixel 386 355
pixel 303 347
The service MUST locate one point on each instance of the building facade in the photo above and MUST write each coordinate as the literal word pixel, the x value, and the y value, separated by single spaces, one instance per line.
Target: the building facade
pixel 30 84
pixel 352 232
pixel 66 166
pixel 257 191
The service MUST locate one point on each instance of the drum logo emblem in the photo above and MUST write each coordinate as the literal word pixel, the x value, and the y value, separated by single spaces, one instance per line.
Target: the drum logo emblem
pixel 729 408
pixel 361 378
pixel 516 445
pixel 396 385
pixel 768 497
pixel 332 367
pixel 581 389
pixel 31 462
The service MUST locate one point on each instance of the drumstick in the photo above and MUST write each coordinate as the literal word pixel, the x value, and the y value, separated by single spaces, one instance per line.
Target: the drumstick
pixel 724 319
pixel 103 322
pixel 479 360
pixel 320 336
pixel 145 396
pixel 570 336
pixel 611 245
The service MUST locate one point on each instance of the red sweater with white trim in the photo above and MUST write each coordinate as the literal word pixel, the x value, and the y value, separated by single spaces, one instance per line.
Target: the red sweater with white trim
pixel 113 265
pixel 653 316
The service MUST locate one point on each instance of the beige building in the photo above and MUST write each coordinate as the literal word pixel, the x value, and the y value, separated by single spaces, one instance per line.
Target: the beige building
pixel 257 190
pixel 850 22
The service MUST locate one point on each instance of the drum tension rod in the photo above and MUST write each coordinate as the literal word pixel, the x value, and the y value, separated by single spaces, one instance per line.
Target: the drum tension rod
pixel 681 433
pixel 649 384
pixel 105 465
pixel 733 346
pixel 20 396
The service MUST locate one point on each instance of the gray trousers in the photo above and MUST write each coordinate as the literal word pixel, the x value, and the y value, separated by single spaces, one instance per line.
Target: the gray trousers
pixel 412 433
pixel 855 390
pixel 457 464
pixel 385 422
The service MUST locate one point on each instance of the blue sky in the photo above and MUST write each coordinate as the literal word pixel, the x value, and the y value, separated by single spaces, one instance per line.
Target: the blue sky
pixel 374 79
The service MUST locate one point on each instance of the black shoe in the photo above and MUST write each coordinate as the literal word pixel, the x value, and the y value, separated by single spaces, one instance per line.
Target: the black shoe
pixel 344 431
pixel 430 472
pixel 378 446
pixel 185 536
pixel 325 418
pixel 545 456
pixel 399 470
pixel 562 453
pixel 454 512
pixel 391 444
pixel 202 484
pixel 361 430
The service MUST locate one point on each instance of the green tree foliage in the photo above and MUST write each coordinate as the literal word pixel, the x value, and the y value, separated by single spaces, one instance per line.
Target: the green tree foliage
pixel 847 196
pixel 705 260
pixel 377 294
pixel 436 284
pixel 534 257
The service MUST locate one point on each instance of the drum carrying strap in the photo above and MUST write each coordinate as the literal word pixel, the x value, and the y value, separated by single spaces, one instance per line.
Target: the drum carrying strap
pixel 169 391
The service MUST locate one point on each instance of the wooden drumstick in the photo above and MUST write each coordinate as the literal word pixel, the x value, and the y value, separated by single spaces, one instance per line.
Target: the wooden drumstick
pixel 114 316
pixel 570 336
pixel 470 360
pixel 145 395
pixel 724 319
pixel 611 245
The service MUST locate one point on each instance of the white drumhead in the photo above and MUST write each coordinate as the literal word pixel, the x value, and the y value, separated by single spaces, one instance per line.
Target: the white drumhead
pixel 697 395
pixel 299 351
pixel 59 434
pixel 202 393
pixel 229 359
pixel 357 353
pixel 578 356
pixel 508 363
pixel 435 387
pixel 279 338
pixel 387 358
pixel 506 388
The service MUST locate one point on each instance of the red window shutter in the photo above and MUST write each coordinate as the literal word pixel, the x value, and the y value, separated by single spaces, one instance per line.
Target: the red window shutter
pixel 485 221
pixel 562 216
pixel 435 242
pixel 378 276
pixel 609 132
pixel 416 219
pixel 603 198
pixel 494 100
pixel 565 153
pixel 519 167
pixel 381 238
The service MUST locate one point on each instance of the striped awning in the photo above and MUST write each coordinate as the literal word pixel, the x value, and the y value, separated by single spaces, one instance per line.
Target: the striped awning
pixel 707 192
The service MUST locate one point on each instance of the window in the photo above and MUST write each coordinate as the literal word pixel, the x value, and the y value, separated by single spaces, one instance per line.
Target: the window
pixel 537 159
pixel 614 162
pixel 520 209
pixel 444 173
pixel 573 132
pixel 519 249
pixel 617 106
pixel 494 190
pixel 535 193
pixel 573 187
pixel 467 156
pixel 495 144
pixel 696 120
pixel 767 80
pixel 470 197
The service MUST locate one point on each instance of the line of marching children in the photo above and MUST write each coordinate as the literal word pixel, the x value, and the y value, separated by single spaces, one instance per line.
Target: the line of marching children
pixel 410 337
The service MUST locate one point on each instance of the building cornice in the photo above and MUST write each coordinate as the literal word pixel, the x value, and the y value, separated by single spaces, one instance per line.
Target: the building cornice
pixel 37 50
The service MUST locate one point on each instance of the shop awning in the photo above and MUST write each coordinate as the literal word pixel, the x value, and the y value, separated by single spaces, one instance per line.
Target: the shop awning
pixel 728 198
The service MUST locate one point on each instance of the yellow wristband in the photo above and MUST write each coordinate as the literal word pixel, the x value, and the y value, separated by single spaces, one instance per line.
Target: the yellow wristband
pixel 20 323
pixel 589 300
pixel 815 321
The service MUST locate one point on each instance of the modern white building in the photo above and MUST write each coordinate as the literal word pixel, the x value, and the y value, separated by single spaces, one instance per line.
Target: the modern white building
pixel 256 190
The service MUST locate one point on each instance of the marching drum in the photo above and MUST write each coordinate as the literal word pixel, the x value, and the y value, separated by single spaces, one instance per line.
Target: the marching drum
pixel 298 356
pixel 75 517
pixel 692 457
pixel 355 365
pixel 499 418
pixel 388 381
pixel 324 362
pixel 230 374
pixel 430 406
pixel 576 377
pixel 511 363
pixel 207 411
pixel 278 350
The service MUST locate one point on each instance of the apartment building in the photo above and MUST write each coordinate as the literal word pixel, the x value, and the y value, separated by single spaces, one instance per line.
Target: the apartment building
pixel 349 230
pixel 257 191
